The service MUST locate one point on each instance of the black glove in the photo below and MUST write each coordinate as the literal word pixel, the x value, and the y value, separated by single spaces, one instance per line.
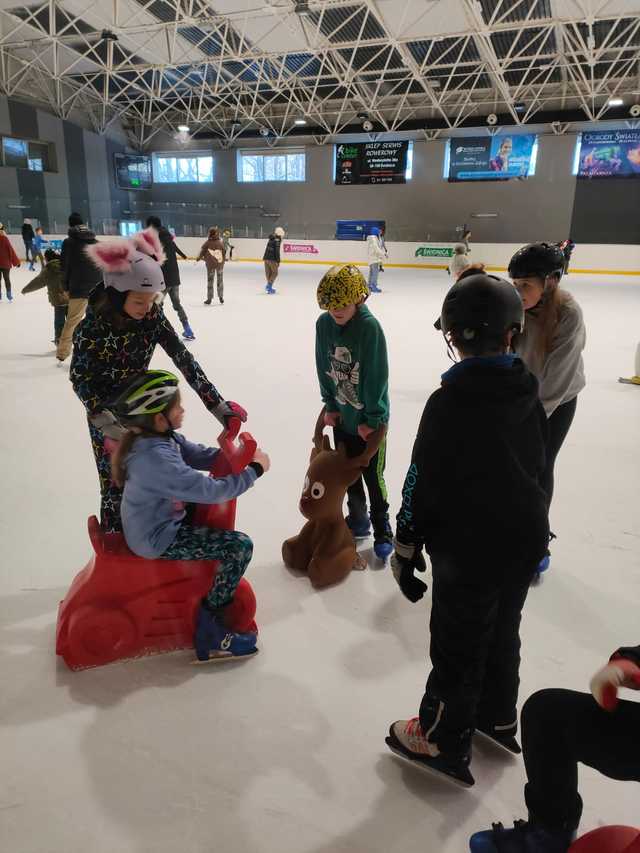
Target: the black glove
pixel 404 561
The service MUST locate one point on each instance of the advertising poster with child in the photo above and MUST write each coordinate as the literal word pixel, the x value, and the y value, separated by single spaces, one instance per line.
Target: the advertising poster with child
pixel 610 154
pixel 490 158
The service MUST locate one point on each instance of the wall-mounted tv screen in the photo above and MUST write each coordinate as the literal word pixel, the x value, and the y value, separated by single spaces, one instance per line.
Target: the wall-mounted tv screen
pixel 500 157
pixel 608 154
pixel 133 171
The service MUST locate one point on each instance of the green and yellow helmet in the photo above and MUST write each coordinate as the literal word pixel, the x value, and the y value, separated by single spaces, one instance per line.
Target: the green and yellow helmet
pixel 340 286
pixel 146 394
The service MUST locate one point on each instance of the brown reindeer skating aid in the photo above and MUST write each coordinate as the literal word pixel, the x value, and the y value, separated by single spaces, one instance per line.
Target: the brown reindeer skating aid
pixel 325 547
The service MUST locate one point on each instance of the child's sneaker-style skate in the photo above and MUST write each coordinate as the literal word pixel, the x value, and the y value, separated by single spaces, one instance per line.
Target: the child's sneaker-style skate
pixel 629 380
pixel 214 642
pixel 406 739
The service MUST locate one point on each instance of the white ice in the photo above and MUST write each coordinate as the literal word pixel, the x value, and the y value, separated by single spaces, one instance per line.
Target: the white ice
pixel 285 753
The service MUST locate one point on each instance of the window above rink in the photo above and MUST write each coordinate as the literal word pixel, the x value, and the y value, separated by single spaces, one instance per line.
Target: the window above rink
pixel 196 167
pixel 260 165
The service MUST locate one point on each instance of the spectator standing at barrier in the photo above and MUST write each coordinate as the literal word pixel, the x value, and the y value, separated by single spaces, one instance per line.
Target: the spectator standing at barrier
pixel 8 259
pixel 213 254
pixel 171 272
pixel 80 276
pixel 271 258
pixel 28 236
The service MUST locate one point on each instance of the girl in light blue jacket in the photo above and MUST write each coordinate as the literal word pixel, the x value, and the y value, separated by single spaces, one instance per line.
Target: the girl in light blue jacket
pixel 162 477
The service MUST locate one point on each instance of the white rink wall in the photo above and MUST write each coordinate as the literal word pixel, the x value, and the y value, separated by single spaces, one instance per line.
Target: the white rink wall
pixel 591 259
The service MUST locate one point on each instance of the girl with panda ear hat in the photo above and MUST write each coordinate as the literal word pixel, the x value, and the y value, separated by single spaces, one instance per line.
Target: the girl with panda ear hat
pixel 117 339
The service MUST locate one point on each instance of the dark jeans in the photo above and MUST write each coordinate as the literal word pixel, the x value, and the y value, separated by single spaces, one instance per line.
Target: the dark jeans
pixel 174 296
pixel 373 476
pixel 475 648
pixel 28 251
pixel 559 424
pixel 561 728
pixel 6 275
pixel 59 317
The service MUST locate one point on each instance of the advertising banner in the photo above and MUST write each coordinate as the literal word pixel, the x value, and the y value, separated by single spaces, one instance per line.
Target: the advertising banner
pixel 371 163
pixel 434 252
pixel 299 249
pixel 492 158
pixel 610 154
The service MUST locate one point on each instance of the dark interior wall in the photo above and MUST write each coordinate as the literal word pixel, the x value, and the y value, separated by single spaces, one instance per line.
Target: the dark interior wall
pixel 83 179
pixel 426 208
pixel 605 210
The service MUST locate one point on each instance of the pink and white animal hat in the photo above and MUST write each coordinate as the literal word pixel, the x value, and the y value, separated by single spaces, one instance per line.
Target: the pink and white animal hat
pixel 134 264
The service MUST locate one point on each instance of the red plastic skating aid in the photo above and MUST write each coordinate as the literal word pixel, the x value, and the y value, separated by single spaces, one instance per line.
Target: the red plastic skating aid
pixel 123 606
pixel 609 839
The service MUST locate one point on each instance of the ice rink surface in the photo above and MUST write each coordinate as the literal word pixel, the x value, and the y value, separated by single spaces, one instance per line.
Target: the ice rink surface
pixel 285 753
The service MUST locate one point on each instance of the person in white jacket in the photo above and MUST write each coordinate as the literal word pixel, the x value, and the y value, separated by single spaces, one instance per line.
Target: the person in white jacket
pixel 551 345
pixel 376 253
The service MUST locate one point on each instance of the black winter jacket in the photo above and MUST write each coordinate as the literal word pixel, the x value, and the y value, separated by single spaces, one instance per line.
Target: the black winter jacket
pixel 170 266
pixel 28 234
pixel 472 491
pixel 272 252
pixel 81 275
pixel 106 355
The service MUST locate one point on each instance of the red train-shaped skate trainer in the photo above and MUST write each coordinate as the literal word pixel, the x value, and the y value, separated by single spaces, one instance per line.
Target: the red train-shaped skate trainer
pixel 123 606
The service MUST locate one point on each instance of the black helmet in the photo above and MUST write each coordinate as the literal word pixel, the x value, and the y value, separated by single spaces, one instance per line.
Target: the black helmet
pixel 481 306
pixel 537 259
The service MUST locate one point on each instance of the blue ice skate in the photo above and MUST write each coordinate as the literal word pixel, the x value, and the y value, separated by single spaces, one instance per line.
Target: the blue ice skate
pixel 523 838
pixel 213 642
pixel 360 527
pixel 188 333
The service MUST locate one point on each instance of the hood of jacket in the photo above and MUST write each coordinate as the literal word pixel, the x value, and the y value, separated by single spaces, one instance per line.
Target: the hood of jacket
pixel 82 233
pixel 501 386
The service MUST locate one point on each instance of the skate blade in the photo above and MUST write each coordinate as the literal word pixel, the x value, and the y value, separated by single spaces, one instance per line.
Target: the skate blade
pixel 486 738
pixel 223 657
pixel 427 768
pixel 626 381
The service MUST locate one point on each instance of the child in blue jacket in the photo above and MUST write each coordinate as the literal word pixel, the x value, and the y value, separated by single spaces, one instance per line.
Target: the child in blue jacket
pixel 160 472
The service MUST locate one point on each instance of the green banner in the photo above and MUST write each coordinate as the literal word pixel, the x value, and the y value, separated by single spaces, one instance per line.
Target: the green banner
pixel 433 252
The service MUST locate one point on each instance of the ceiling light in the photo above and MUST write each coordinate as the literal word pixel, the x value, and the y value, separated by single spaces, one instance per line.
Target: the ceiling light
pixel 300 121
pixel 183 128
pixel 615 102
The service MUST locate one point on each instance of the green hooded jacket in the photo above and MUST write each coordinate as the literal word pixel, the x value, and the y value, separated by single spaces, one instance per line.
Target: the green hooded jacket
pixel 353 371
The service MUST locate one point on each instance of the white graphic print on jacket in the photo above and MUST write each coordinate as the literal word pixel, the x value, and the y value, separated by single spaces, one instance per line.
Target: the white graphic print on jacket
pixel 346 376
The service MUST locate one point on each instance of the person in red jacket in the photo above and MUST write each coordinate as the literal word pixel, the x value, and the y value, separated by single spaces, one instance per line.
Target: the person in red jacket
pixel 560 729
pixel 8 259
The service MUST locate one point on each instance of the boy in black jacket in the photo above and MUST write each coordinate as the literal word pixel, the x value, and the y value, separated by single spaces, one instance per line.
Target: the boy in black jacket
pixel 472 499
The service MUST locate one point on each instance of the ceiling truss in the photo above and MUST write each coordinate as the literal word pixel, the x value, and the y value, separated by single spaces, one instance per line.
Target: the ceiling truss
pixel 169 62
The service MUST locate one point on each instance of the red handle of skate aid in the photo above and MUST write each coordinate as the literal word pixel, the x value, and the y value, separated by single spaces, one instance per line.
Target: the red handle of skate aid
pixel 238 456
pixel 609 839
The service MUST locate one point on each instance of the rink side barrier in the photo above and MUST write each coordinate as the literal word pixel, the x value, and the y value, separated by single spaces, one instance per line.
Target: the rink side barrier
pixel 601 260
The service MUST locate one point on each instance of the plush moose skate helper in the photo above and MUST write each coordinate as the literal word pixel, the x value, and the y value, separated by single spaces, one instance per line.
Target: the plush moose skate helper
pixel 325 548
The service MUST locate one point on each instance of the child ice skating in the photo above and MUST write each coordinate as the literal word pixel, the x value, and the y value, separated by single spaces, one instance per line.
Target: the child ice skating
pixel 351 361
pixel 50 276
pixel 472 499
pixel 39 246
pixel 272 258
pixel 8 259
pixel 459 261
pixel 117 339
pixel 228 245
pixel 376 253
pixel 28 236
pixel 213 254
pixel 160 474
pixel 171 273
pixel 551 344
pixel 560 729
